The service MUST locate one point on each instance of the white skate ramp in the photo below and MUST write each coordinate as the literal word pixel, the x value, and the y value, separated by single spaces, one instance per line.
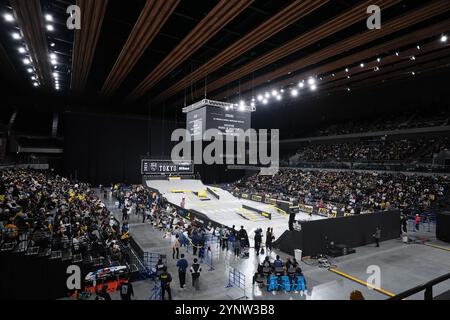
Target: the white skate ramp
pixel 226 210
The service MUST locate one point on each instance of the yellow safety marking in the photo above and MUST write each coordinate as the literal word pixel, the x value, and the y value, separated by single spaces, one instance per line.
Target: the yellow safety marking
pixel 345 275
pixel 177 191
pixel 279 210
pixel 248 214
pixel 436 246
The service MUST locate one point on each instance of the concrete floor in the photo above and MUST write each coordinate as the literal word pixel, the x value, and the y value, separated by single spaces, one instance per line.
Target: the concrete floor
pixel 402 266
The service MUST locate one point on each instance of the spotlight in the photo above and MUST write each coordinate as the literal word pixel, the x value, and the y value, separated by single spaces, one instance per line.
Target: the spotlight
pixel 346 70
pixel 444 38
pixel 33 78
pixel 242 108
pixel 52 44
pixel 265 101
pixel 267 95
pixel 348 89
pixel 16 36
pixel 418 47
pixel 348 77
pixel 313 87
pixel 30 70
pixel 301 84
pixel 22 50
pixel 52 56
pixel 260 97
pixel 274 93
pixel 50 27
pixel 35 84
pixel 48 17
pixel 413 73
pixel 376 69
pixel 333 75
pixel 8 17
pixel 282 90
pixel 242 103
pixel 362 65
pixel 54 62
pixel 253 99
pixel 311 81
pixel 378 60
pixel 227 108
pixel 26 61
pixel 413 58
pixel 294 92
pixel 252 104
pixel 279 98
pixel 397 54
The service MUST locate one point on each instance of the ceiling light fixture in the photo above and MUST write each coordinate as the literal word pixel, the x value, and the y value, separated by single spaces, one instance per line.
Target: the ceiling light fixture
pixel 8 17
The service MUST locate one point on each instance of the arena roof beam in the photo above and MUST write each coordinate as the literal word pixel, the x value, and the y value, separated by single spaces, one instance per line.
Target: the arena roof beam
pixel 394 66
pixel 30 21
pixel 152 18
pixel 224 12
pixel 286 17
pixel 341 64
pixel 338 23
pixel 85 40
pixel 409 19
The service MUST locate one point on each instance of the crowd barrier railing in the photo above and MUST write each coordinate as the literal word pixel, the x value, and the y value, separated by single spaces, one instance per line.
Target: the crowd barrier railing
pixel 237 279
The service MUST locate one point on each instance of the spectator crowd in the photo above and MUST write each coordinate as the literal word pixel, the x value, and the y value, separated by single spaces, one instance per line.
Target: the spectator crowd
pixel 353 192
pixel 380 151
pixel 53 213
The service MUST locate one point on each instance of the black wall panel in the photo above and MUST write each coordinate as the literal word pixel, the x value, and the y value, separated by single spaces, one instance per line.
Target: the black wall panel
pixel 353 231
pixel 443 226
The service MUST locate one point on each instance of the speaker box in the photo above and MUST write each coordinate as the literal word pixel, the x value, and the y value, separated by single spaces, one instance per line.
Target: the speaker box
pixel 443 226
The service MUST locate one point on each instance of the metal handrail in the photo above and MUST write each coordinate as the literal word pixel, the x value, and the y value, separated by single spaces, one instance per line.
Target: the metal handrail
pixel 428 287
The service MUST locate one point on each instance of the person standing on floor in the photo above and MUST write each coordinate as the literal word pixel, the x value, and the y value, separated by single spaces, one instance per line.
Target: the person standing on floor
pixel 268 239
pixel 124 213
pixel 176 247
pixel 165 279
pixel 237 246
pixel 417 222
pixel 377 236
pixel 196 269
pixel 258 240
pixel 126 290
pixel 182 266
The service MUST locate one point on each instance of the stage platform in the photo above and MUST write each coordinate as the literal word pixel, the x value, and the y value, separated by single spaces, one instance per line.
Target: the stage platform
pixel 224 208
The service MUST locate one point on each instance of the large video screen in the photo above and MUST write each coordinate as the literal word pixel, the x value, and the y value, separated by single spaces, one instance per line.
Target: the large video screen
pixel 166 167
pixel 228 122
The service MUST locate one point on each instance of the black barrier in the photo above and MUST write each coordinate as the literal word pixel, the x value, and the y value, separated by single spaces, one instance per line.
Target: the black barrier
pixel 443 226
pixel 352 231
pixel 264 214
pixel 196 216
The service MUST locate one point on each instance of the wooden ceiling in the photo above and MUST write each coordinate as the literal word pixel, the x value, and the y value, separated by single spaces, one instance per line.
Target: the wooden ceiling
pixel 173 52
